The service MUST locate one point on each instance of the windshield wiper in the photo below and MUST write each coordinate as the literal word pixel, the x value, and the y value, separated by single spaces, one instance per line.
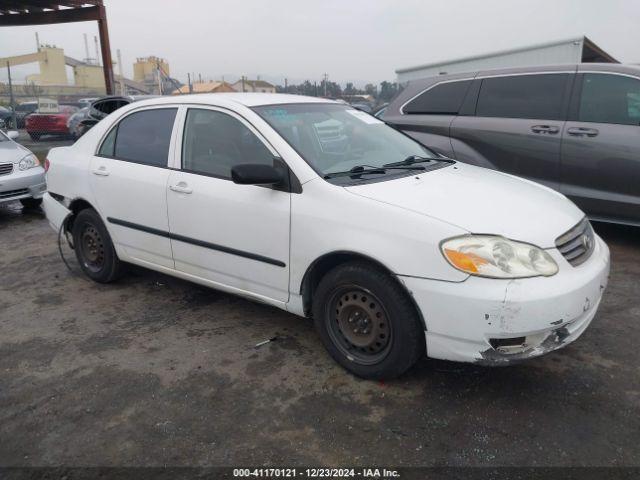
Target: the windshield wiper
pixel 357 170
pixel 410 160
pixel 366 169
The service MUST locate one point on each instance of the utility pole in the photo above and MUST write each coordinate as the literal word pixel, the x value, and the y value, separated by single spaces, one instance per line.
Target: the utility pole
pixel 95 41
pixel 242 78
pixel 86 49
pixel 325 78
pixel 37 42
pixel 159 78
pixel 120 71
pixel 189 83
pixel 14 122
pixel 285 86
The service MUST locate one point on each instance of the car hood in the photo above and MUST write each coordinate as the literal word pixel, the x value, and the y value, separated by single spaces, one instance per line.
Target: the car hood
pixel 479 200
pixel 12 152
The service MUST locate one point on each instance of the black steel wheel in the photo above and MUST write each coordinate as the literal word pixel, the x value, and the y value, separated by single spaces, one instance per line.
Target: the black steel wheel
pixel 94 248
pixel 367 321
pixel 360 326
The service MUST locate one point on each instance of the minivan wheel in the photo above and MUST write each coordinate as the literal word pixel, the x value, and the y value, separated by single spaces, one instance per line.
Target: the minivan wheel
pixel 94 249
pixel 367 322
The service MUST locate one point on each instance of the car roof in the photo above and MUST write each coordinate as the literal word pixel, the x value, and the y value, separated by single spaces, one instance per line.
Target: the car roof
pixel 252 99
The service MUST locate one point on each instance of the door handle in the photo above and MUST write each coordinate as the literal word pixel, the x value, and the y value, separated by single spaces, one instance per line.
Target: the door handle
pixel 545 129
pixel 101 170
pixel 180 187
pixel 583 132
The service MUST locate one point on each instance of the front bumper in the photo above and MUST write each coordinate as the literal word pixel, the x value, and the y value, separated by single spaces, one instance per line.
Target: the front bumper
pixel 22 184
pixel 496 322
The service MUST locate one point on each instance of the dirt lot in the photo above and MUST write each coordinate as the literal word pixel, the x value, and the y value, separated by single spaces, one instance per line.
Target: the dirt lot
pixel 157 371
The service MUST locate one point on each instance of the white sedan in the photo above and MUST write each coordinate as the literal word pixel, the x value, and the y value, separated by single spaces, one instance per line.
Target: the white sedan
pixel 325 211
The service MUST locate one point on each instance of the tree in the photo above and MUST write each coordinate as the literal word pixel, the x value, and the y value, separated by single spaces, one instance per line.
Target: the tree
pixel 388 90
pixel 31 89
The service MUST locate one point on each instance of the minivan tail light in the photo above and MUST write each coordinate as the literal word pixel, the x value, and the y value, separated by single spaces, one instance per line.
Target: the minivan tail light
pixel 47 164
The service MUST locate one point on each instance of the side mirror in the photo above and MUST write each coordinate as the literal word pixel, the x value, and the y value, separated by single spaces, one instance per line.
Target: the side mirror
pixel 12 134
pixel 256 174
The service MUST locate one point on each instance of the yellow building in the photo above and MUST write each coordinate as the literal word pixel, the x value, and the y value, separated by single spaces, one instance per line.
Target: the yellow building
pixel 145 68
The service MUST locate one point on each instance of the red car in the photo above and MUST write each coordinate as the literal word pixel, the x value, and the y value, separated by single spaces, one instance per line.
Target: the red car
pixel 38 124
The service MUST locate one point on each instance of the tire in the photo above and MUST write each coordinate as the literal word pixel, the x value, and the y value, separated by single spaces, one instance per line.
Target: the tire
pixel 347 301
pixel 31 202
pixel 35 136
pixel 94 248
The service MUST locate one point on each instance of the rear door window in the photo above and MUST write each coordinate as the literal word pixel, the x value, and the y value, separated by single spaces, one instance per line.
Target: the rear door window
pixel 538 96
pixel 610 98
pixel 142 137
pixel 444 98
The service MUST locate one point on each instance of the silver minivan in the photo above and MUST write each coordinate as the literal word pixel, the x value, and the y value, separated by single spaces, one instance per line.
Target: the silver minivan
pixel 574 128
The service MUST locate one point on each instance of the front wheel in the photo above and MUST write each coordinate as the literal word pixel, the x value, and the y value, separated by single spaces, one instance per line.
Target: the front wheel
pixel 367 321
pixel 94 248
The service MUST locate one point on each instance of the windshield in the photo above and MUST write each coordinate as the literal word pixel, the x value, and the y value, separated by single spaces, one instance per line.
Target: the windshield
pixel 336 138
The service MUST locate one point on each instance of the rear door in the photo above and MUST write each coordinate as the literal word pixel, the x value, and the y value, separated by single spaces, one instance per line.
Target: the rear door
pixel 601 146
pixel 516 126
pixel 129 178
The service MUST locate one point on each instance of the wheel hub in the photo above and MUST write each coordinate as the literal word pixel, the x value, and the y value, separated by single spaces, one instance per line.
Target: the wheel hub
pixel 362 322
pixel 92 247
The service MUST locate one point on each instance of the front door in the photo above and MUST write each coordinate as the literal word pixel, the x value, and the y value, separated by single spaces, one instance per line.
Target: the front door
pixel 517 126
pixel 600 165
pixel 129 179
pixel 234 235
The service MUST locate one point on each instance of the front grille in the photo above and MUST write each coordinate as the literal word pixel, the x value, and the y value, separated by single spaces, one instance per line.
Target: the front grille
pixel 14 193
pixel 578 243
pixel 6 168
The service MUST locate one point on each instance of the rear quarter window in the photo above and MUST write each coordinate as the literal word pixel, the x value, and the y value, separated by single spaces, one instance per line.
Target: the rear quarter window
pixel 443 98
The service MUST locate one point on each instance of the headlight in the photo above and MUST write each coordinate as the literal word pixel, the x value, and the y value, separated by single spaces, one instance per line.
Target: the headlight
pixel 28 162
pixel 497 257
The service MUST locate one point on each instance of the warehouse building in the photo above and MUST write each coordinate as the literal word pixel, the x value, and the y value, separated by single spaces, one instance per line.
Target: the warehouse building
pixel 570 51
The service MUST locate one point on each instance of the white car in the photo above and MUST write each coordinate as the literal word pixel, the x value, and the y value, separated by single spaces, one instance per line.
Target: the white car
pixel 392 249
pixel 21 175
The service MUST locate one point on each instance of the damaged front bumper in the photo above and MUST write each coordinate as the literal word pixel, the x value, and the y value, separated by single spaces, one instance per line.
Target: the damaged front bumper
pixel 497 322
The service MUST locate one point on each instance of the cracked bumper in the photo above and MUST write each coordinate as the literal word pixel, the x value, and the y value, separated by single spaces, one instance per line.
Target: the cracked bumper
pixel 545 313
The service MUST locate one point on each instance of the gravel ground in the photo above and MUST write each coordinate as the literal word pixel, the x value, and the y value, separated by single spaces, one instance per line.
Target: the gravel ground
pixel 157 371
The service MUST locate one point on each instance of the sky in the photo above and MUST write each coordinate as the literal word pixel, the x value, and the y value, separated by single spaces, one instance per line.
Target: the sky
pixel 357 41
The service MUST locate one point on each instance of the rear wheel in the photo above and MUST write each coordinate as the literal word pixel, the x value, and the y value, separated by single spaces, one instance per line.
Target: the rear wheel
pixel 31 202
pixel 94 248
pixel 367 322
pixel 34 136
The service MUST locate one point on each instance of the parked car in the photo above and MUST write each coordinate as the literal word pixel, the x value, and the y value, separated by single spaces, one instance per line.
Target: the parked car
pixel 365 107
pixel 5 117
pixel 39 124
pixel 379 112
pixel 104 106
pixel 383 242
pixel 74 123
pixel 21 176
pixel 573 128
pixel 23 110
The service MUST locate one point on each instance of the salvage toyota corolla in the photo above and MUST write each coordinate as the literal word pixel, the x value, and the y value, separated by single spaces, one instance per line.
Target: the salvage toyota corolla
pixel 325 211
